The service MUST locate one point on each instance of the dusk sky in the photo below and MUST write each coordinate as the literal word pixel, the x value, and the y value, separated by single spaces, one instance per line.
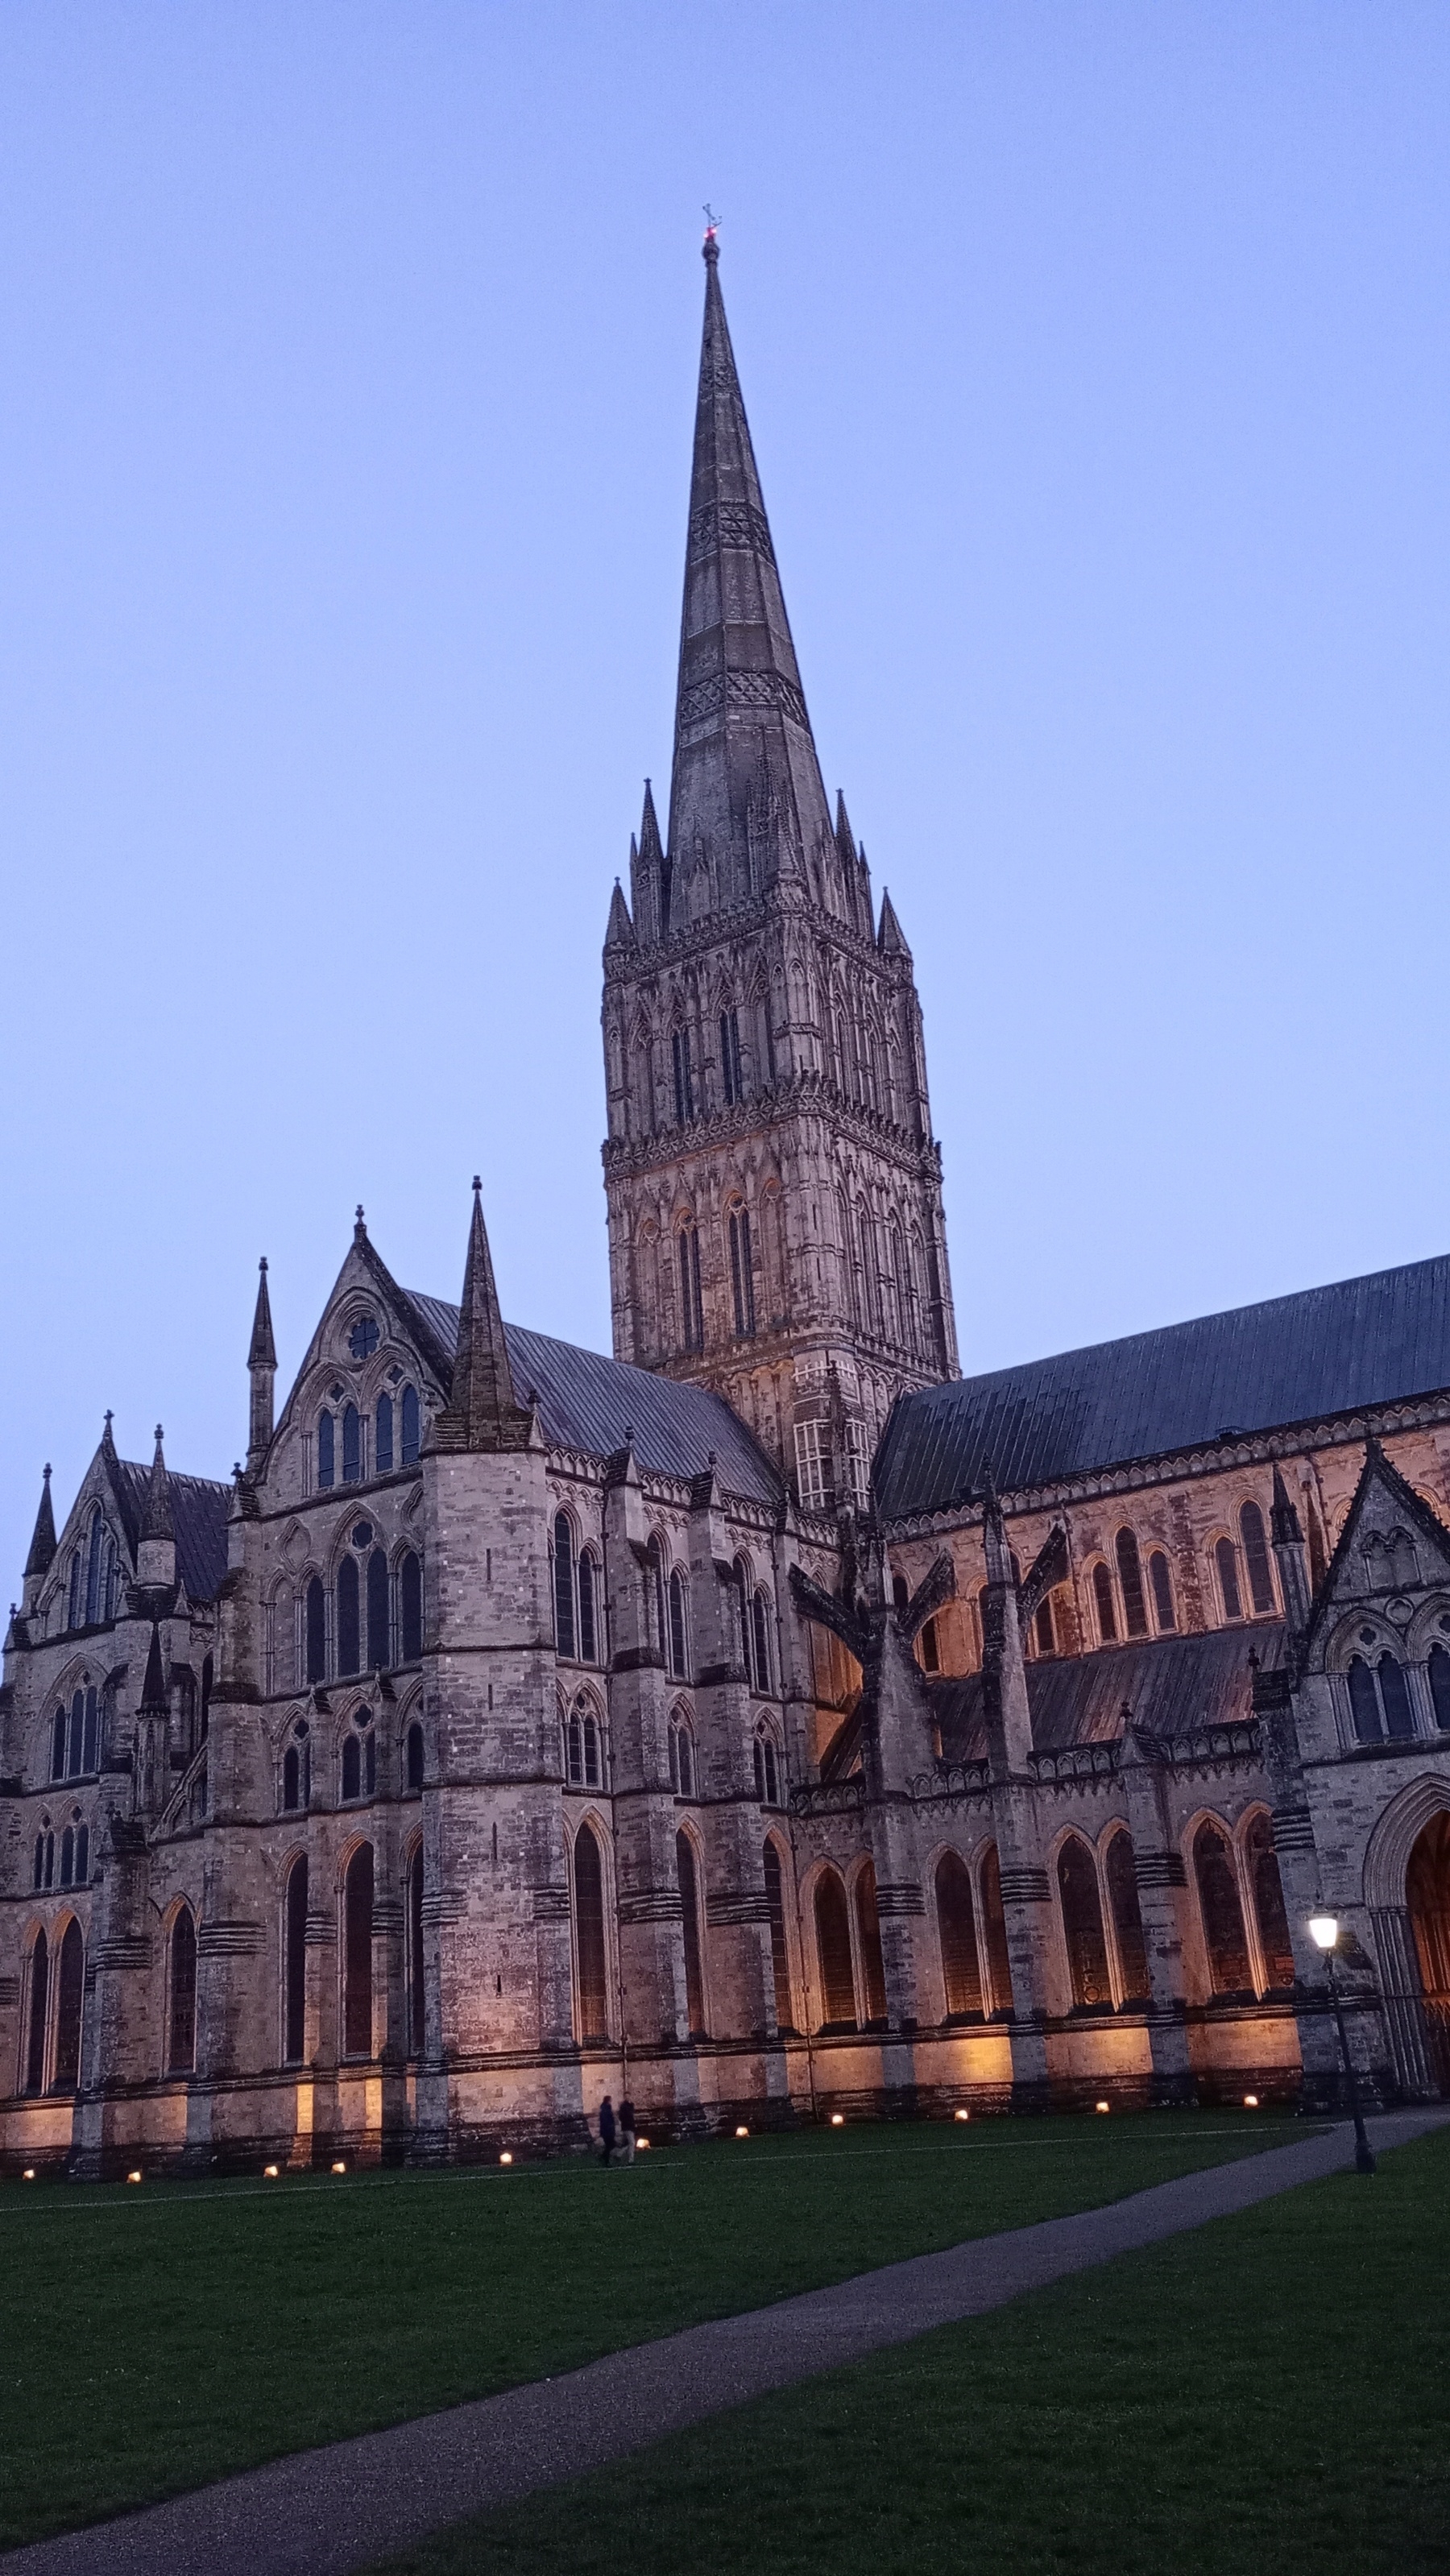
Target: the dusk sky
pixel 1097 362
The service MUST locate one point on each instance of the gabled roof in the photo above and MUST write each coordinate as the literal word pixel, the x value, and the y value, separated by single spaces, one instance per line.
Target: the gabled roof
pixel 1331 1350
pixel 1174 1686
pixel 589 1403
pixel 200 1511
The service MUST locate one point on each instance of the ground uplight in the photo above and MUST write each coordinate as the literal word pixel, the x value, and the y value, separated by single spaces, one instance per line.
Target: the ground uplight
pixel 740 2133
pixel 270 2172
pixel 641 2143
pixel 1102 2106
pixel 134 2177
pixel 339 2167
pixel 1251 2101
pixel 506 2158
pixel 838 2119
pixel 962 2115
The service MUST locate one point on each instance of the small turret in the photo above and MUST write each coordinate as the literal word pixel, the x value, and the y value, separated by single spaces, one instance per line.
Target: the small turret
pixel 153 1720
pixel 156 1551
pixel 262 1369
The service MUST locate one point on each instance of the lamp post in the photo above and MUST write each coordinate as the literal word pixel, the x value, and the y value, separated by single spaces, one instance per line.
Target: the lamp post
pixel 1324 1932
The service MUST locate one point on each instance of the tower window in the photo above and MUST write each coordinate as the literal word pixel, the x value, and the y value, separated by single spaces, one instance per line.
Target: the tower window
pixel 383 1434
pixel 564 1584
pixel 410 1608
pixel 1104 1604
pixel 684 1079
pixel 678 1656
pixel 730 1057
pixel 351 1445
pixel 692 1313
pixel 588 1643
pixel 325 1467
pixel 742 1276
pixel 316 1623
pixel 810 1466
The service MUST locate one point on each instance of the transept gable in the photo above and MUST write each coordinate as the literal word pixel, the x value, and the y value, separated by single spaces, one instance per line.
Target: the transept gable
pixel 368 1327
pixel 1392 1545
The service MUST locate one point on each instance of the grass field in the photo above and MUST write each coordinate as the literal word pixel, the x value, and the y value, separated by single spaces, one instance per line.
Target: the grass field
pixel 1271 2393
pixel 152 2339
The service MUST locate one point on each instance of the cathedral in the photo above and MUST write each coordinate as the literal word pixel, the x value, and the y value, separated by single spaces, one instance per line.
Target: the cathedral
pixel 767 1722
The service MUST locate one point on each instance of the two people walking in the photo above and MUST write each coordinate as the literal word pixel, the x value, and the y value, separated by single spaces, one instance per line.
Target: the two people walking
pixel 616 2135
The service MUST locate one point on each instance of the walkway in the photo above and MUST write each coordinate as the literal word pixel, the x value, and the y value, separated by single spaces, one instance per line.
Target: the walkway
pixel 324 2512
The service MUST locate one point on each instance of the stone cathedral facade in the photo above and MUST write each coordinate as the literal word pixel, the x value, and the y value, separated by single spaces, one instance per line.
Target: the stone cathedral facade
pixel 766 1720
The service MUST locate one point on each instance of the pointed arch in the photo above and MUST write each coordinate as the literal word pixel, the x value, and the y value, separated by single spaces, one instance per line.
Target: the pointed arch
pixel 591 1974
pixel 181 1993
pixel 294 1961
pixel 868 1939
pixel 689 1879
pixel 957 1934
pixel 357 1952
pixel 775 1867
pixel 833 1952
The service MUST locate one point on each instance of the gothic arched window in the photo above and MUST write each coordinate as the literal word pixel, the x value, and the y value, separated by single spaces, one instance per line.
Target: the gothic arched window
pixel 1268 1891
pixel 742 1274
pixel 589 1935
pixel 730 1082
pixel 692 1313
pixel 1161 1580
pixel 1222 1913
pixel 325 1457
pixel 779 1948
pixel 351 1445
pixel 1122 1881
pixel 294 1964
pixel 39 1998
pixel 1256 1559
pixel 1439 1668
pixel 957 1933
pixel 410 1607
pixel 95 1595
pixel 297 1769
pixel 588 1636
pixel 378 1657
pixel 1082 1923
pixel 833 1954
pixel 357 1954
pixel 1104 1604
pixel 1130 1578
pixel 1226 1560
pixel 383 1434
pixel 316 1623
pixel 57 1745
pixel 679 1660
pixel 181 2002
pixel 690 1903
pixel 564 1585
pixel 410 1426
pixel 69 2005
pixel 351 1767
pixel 1395 1696
pixel 415 1756
pixel 414 1928
pixel 760 1641
pixel 767 1768
pixel 684 1076
pixel 349 1639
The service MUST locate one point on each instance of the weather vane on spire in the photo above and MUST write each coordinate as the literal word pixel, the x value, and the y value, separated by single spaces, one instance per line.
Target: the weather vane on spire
pixel 712 229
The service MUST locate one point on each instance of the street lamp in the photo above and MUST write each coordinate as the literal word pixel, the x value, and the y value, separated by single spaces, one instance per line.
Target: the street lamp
pixel 1324 1933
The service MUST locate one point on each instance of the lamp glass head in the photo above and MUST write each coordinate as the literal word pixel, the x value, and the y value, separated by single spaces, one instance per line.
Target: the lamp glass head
pixel 1324 1930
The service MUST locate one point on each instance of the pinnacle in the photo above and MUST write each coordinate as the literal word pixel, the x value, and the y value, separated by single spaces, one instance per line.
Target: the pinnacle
pixel 481 1412
pixel 42 1545
pixel 263 1352
pixel 153 1689
pixel 620 932
pixel 156 1520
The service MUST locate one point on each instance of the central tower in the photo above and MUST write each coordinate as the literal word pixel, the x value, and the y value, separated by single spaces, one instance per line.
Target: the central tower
pixel 774 1189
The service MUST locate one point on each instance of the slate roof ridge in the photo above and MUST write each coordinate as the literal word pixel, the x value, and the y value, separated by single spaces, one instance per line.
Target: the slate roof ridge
pixel 1378 1338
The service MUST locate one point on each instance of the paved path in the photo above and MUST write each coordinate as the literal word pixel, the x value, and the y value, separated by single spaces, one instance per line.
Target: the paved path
pixel 321 2513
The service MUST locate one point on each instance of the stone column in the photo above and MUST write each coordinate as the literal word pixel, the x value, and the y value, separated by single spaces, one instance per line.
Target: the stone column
pixel 1162 1883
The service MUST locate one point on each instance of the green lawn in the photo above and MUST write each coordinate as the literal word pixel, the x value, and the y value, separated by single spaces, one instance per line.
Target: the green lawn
pixel 1269 2396
pixel 154 2338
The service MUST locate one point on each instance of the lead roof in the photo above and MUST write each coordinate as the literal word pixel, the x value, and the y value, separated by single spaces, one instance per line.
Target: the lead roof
pixel 1358 1343
pixel 592 1404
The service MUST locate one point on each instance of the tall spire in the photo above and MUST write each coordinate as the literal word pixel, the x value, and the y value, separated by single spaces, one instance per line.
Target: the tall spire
pixel 481 1412
pixel 746 795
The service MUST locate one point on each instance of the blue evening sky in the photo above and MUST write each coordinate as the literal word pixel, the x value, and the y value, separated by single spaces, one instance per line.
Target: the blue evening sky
pixel 1096 357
